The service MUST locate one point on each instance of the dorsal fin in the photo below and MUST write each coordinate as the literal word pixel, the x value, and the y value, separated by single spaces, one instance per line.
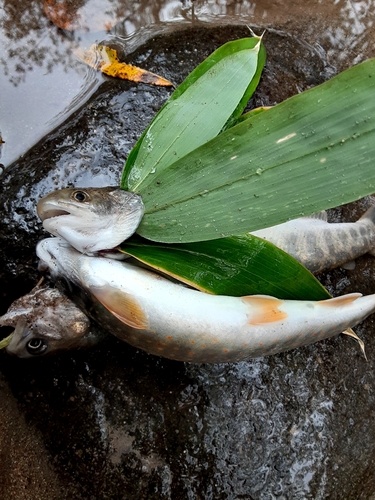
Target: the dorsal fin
pixel 342 301
pixel 369 214
pixel 319 216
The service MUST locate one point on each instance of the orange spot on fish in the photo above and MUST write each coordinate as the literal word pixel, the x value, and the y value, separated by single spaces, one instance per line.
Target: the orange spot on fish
pixel 225 350
pixel 264 309
pixel 191 353
pixel 203 347
pixel 169 337
pixel 192 342
pixel 275 340
pixel 340 301
pixel 244 345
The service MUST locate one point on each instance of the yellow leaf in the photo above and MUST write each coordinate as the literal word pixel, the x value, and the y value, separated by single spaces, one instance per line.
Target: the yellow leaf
pixel 5 342
pixel 105 59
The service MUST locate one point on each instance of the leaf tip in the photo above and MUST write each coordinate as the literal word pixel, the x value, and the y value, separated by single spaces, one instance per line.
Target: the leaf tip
pixel 260 37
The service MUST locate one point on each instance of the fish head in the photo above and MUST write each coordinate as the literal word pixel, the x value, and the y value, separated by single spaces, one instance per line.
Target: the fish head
pixel 91 219
pixel 45 321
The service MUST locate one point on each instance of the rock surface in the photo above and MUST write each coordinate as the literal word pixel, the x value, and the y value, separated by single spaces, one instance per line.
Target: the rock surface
pixel 117 423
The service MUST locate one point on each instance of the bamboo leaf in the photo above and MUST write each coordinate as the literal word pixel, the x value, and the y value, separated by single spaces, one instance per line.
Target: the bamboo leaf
pixel 236 266
pixel 312 152
pixel 211 99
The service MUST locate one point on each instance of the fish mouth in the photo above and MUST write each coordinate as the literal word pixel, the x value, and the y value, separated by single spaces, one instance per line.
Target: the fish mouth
pixel 51 214
pixel 48 210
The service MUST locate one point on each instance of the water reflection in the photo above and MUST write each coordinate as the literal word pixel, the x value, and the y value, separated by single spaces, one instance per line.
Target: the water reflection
pixel 42 82
pixel 29 41
pixel 354 32
pixel 39 76
pixel 32 40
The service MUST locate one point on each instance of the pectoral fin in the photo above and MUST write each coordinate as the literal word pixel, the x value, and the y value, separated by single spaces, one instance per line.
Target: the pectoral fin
pixel 122 305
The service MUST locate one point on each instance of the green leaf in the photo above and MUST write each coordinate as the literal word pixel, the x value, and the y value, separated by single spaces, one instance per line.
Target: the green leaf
pixel 235 266
pixel 211 99
pixel 312 152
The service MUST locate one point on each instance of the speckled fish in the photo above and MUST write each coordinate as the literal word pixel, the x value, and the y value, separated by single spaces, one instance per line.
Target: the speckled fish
pixel 320 245
pixel 96 219
pixel 46 321
pixel 170 320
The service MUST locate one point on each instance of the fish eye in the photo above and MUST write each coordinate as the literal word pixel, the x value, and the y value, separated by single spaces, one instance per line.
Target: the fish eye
pixel 80 196
pixel 36 347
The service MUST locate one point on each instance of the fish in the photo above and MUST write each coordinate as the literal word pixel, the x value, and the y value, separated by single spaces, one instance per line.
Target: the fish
pixel 93 220
pixel 320 245
pixel 46 321
pixel 171 320
pixel 96 220
pixel 79 214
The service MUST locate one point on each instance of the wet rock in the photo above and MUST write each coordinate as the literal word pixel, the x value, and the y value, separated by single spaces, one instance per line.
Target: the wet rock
pixel 26 471
pixel 121 424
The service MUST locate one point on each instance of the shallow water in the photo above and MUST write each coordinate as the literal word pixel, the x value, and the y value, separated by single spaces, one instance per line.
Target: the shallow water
pixel 42 82
pixel 116 423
